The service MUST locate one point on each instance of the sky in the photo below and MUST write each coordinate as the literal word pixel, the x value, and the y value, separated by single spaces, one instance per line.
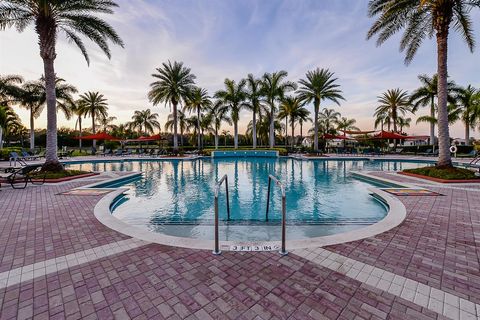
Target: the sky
pixel 221 39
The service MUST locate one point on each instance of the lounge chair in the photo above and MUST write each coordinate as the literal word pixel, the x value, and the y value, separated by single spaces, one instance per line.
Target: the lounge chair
pixel 118 153
pixel 24 175
pixel 28 156
pixel 428 152
pixel 16 158
pixel 107 152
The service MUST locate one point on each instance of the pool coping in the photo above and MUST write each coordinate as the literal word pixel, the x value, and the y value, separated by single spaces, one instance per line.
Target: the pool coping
pixel 395 216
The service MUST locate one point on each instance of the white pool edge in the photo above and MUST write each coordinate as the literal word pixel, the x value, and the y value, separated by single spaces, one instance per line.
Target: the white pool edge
pixel 395 216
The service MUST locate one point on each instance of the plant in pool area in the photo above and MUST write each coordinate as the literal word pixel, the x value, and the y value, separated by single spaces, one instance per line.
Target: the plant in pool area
pixel 50 17
pixel 452 173
pixel 61 174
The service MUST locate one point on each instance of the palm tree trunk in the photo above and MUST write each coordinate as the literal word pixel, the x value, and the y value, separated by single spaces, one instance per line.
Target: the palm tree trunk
pixel 444 157
pixel 315 133
pixel 254 129
pixel 80 132
pixel 1 137
pixel 301 131
pixel 216 138
pixel 175 127
pixel 467 133
pixel 432 124
pixel 51 157
pixel 32 131
pixel 286 132
pixel 235 134
pixel 293 132
pixel 272 125
pixel 93 130
pixel 199 138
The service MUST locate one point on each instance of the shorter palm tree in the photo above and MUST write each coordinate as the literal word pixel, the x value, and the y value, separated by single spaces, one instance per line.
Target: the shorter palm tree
pixel 219 114
pixel 198 101
pixel 8 121
pixel 145 121
pixel 468 100
pixel 181 122
pixel 95 106
pixel 254 103
pixel 79 111
pixel 329 117
pixel 290 109
pixel 345 124
pixel 403 123
pixel 106 123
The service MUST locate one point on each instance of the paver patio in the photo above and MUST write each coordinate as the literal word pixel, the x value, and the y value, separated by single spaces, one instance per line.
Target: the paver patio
pixel 436 248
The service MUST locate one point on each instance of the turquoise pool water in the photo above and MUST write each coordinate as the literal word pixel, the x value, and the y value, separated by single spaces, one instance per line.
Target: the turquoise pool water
pixel 177 196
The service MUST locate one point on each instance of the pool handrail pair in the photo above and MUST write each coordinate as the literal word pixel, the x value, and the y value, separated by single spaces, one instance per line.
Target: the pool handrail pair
pixel 283 250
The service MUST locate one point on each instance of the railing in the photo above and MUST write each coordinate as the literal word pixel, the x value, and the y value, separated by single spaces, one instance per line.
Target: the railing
pixel 217 190
pixel 283 251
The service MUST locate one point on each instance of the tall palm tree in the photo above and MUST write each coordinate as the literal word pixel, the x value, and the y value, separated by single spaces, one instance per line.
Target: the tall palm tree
pixel 145 121
pixel 254 103
pixel 219 114
pixel 422 19
pixel 394 102
pixel 50 17
pixel 329 117
pixel 319 85
pixel 174 84
pixel 468 100
pixel 274 88
pixel 425 96
pixel 233 98
pixel 95 105
pixel 198 101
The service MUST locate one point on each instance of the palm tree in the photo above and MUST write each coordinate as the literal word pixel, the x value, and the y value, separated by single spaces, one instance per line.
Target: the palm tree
pixel 254 103
pixel 198 101
pixel 10 90
pixel 33 99
pixel 145 121
pixel 50 17
pixel 382 119
pixel 345 124
pixel 233 98
pixel 174 84
pixel 225 134
pixel 403 123
pixel 468 99
pixel 425 96
pixel 422 19
pixel 106 123
pixel 95 105
pixel 319 85
pixel 181 121
pixel 8 121
pixel 219 114
pixel 78 109
pixel 290 107
pixel 274 88
pixel 329 117
pixel 393 102
pixel 303 117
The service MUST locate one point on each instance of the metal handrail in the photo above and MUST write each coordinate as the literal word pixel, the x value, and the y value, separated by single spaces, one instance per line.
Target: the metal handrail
pixel 217 190
pixel 284 208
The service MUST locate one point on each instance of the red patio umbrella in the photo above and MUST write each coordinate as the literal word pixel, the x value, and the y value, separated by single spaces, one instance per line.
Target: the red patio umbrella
pixel 99 136
pixel 328 136
pixel 389 135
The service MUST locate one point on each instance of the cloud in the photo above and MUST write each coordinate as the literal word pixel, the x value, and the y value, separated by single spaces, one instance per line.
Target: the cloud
pixel 227 38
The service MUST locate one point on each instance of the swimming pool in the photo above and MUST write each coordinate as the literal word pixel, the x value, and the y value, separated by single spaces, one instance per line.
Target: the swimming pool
pixel 177 197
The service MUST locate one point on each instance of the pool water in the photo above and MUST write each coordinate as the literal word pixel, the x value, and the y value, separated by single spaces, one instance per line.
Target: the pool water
pixel 177 197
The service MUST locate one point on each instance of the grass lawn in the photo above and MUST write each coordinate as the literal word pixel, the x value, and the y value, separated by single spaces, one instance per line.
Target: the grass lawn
pixel 62 174
pixel 446 174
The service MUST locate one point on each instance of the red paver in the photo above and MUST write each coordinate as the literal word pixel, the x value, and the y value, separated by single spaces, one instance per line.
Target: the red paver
pixel 437 245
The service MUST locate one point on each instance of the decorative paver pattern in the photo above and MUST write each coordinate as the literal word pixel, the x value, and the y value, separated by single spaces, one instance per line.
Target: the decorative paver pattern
pixel 436 250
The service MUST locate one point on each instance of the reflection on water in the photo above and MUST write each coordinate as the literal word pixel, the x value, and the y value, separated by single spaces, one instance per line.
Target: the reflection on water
pixel 183 190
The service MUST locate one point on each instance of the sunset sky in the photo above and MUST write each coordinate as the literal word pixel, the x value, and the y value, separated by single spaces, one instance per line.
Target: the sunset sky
pixel 228 38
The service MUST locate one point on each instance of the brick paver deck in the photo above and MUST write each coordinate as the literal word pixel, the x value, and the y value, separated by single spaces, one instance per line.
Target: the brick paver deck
pixel 437 245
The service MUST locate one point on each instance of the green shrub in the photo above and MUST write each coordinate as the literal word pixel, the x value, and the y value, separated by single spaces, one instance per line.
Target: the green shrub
pixel 5 152
pixel 444 173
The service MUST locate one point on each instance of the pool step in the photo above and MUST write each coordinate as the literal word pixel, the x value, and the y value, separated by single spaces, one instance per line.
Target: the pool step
pixel 209 222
